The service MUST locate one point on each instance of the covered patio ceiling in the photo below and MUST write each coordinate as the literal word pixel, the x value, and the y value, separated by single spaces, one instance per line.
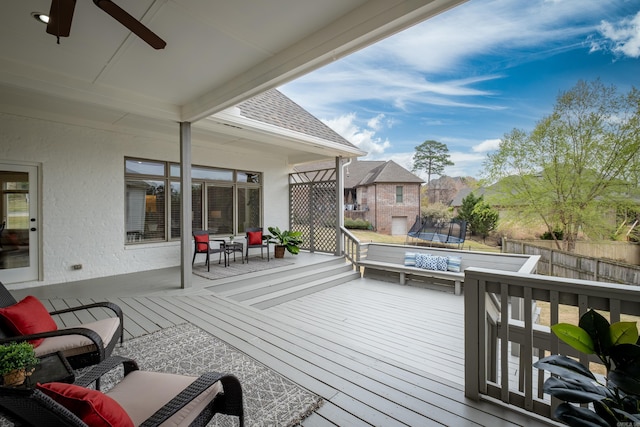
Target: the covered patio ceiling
pixel 218 53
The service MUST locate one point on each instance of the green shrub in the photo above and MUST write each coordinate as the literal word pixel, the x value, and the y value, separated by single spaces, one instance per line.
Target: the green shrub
pixel 548 236
pixel 357 224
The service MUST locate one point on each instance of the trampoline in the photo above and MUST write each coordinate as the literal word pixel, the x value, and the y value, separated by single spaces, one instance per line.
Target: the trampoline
pixel 453 232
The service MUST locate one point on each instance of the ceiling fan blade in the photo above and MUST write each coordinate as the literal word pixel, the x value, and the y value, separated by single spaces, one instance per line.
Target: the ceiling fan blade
pixel 60 17
pixel 131 23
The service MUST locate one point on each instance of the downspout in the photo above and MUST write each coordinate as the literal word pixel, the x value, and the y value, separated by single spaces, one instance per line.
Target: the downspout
pixel 375 211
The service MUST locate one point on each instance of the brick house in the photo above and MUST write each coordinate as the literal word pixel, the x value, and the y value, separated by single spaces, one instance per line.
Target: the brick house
pixel 383 193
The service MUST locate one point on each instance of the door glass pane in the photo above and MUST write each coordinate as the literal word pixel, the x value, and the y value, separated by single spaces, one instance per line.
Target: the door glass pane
pixel 14 237
pixel 220 210
pixel 248 208
pixel 145 210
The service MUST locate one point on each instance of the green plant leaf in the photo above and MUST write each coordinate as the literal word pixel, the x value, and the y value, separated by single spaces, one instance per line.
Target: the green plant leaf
pixel 564 366
pixel 634 418
pixel 575 336
pixel 625 382
pixel 576 390
pixel 604 409
pixel 627 357
pixel 624 333
pixel 578 417
pixel 598 329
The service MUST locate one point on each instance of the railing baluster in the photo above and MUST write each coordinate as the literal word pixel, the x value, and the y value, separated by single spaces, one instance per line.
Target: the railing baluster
pixel 527 350
pixel 614 310
pixel 504 342
pixel 486 289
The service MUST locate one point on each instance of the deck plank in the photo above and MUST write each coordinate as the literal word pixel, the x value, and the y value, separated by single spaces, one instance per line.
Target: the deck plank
pixel 378 353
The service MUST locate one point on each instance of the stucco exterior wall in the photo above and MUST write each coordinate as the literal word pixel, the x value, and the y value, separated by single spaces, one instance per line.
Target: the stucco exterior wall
pixel 82 197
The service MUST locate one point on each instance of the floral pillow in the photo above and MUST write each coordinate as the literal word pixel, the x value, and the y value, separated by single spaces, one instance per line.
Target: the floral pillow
pixel 431 262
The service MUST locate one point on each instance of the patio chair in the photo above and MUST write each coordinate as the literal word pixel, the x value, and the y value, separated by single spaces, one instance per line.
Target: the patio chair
pixel 141 398
pixel 255 239
pixel 202 246
pixel 83 345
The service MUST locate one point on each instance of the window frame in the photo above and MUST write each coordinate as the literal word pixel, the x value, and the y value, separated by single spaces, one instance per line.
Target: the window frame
pixel 399 193
pixel 170 178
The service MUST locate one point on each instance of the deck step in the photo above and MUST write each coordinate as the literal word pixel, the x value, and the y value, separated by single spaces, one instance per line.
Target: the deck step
pixel 291 293
pixel 293 278
pixel 230 284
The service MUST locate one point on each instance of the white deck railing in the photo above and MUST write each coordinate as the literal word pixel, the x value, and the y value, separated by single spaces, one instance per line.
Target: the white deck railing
pixel 489 345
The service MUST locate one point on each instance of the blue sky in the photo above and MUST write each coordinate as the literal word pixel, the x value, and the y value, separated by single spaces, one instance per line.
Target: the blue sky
pixel 470 75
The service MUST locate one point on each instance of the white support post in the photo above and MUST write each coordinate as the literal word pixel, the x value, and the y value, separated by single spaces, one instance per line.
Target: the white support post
pixel 186 246
pixel 340 206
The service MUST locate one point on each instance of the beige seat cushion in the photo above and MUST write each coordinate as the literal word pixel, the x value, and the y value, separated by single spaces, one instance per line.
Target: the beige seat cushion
pixel 72 345
pixel 142 393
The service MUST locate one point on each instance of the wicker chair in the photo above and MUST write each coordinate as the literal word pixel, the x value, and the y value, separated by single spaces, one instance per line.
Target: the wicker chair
pixel 33 407
pixel 79 354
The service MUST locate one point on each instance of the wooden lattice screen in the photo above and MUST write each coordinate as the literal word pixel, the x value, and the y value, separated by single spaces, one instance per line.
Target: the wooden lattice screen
pixel 313 209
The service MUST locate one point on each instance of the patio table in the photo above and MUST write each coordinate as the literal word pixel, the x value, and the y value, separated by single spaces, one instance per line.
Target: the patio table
pixel 232 248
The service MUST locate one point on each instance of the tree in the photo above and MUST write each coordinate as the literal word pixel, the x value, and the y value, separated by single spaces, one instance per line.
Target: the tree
pixel 465 212
pixel 432 157
pixel 484 219
pixel 437 212
pixel 576 164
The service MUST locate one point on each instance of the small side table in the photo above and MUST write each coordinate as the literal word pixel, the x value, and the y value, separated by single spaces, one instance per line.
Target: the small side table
pixel 232 248
pixel 53 367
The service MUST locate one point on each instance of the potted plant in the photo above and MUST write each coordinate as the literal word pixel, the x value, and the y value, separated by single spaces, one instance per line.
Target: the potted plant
pixel 614 399
pixel 17 361
pixel 285 239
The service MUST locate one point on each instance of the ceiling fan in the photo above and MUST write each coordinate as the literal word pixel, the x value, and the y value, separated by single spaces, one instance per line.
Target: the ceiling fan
pixel 61 15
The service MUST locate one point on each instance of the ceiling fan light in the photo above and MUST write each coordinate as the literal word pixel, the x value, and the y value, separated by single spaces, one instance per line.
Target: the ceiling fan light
pixel 40 17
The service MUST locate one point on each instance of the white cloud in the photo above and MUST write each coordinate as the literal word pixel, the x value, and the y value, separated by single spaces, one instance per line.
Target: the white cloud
pixel 375 123
pixel 622 38
pixel 365 139
pixel 486 145
pixel 415 67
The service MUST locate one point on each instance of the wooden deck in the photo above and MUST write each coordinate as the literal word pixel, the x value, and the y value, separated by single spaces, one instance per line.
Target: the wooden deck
pixel 378 353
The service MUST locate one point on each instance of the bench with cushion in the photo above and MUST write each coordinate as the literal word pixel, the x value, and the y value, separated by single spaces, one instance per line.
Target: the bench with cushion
pixel 437 266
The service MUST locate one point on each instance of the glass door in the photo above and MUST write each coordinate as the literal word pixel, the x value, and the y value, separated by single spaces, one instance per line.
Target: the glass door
pixel 19 241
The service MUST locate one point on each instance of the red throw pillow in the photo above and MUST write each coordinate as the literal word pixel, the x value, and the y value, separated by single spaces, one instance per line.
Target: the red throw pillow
pixel 93 407
pixel 202 242
pixel 255 237
pixel 28 316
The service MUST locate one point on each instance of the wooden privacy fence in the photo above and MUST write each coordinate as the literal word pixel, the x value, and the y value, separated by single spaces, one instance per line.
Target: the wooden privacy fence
pixel 558 263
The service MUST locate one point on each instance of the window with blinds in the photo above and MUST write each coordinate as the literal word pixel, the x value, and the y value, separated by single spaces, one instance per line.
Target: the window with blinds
pixel 224 201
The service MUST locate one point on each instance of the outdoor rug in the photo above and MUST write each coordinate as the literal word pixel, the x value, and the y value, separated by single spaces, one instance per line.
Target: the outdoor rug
pixel 237 268
pixel 269 398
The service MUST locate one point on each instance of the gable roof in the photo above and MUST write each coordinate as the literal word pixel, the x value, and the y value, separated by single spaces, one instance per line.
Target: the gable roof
pixel 274 108
pixel 376 172
pixel 367 172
